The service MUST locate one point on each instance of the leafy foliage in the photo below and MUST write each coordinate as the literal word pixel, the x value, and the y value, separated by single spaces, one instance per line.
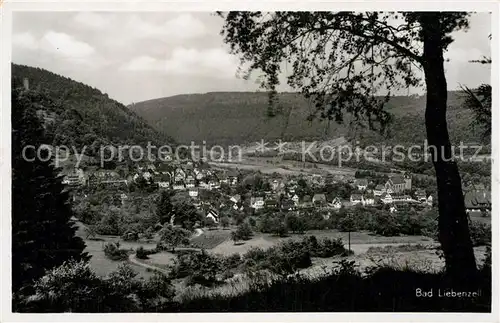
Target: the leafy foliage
pixel 200 267
pixel 85 115
pixel 173 237
pixel 479 101
pixel 43 234
pixel 480 233
pixel 121 291
pixel 112 251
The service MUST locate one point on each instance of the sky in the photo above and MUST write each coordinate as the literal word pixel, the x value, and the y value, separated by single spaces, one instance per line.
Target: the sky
pixel 136 56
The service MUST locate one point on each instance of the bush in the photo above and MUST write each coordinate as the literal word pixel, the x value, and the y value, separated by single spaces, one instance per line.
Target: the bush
pixel 283 259
pixel 173 237
pixel 232 261
pixel 329 248
pixel 113 251
pixel 386 224
pixel 200 268
pixel 295 224
pixel 480 233
pixel 243 232
pixel 142 253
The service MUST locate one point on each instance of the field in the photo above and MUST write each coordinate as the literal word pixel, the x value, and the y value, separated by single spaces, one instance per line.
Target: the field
pixel 479 218
pixel 100 263
pixel 210 239
pixel 285 167
pixel 369 249
pixel 360 241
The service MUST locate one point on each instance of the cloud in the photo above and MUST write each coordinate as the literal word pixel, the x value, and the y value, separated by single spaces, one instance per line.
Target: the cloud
pixel 184 26
pixel 143 63
pixel 65 45
pixel 214 62
pixel 92 20
pixel 24 40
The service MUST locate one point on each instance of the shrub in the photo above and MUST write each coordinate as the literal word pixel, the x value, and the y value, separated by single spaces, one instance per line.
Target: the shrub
pixel 244 231
pixel 480 233
pixel 224 221
pixel 295 224
pixel 113 251
pixel 200 268
pixel 328 248
pixel 232 261
pixel 142 253
pixel 173 237
pixel 288 258
pixel 387 225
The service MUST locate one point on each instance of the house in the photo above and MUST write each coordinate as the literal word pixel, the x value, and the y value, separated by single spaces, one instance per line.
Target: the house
pixel 193 192
pixel 147 175
pixel 420 195
pixel 429 200
pixel 336 203
pixel 379 190
pixel 386 198
pixel 257 202
pixel 319 199
pixel 74 178
pixel 407 179
pixel 306 201
pixel 213 214
pixel 287 205
pixel 477 201
pixel 198 174
pixel 270 203
pixel 179 174
pixel 401 199
pixel 203 184
pixel 295 199
pixel 190 183
pixel 361 184
pixel 275 184
pixel 213 183
pixel 393 209
pixel 235 198
pixel 233 179
pixel 164 181
pixel 178 185
pixel 368 200
pixel 223 179
pixel 395 184
pixel 356 199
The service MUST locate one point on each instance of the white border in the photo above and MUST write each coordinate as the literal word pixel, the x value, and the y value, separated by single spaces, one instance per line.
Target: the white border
pixel 5 153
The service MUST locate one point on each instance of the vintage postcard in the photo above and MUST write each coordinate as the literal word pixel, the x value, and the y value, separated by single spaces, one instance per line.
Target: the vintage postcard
pixel 212 161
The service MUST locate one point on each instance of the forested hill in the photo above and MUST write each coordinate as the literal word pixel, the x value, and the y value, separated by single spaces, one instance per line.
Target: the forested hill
pixel 237 117
pixel 82 115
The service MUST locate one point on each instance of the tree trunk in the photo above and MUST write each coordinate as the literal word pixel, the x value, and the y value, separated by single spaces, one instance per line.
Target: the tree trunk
pixel 453 222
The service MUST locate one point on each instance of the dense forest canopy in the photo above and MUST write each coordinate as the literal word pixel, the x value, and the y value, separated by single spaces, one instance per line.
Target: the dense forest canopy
pixel 236 117
pixel 86 116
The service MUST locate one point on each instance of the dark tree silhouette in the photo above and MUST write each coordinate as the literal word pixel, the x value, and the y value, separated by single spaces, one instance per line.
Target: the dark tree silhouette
pixel 479 101
pixel 165 207
pixel 342 61
pixel 43 234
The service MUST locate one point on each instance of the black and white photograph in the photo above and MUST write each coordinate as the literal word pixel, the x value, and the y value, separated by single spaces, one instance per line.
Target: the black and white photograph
pixel 249 161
